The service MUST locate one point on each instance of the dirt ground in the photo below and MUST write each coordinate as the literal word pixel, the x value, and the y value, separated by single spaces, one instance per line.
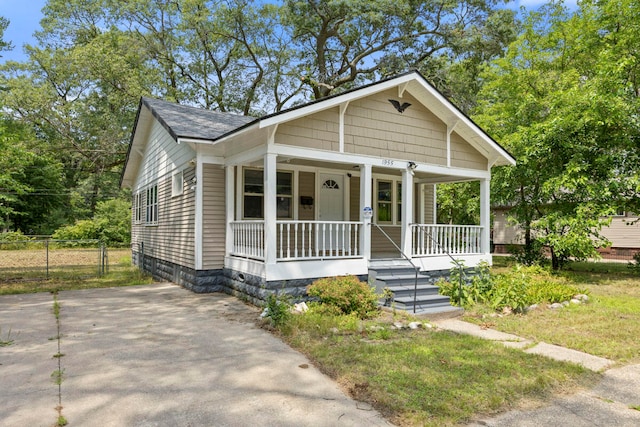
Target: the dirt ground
pixel 37 258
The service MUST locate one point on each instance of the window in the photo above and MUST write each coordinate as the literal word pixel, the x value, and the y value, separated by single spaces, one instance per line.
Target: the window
pixel 177 184
pixel 152 205
pixel 253 191
pixel 384 201
pixel 254 194
pixel 137 208
pixel 399 203
pixel 389 201
pixel 284 190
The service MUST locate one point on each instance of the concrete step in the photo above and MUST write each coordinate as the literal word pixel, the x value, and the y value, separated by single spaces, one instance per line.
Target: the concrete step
pixel 423 300
pixel 403 279
pixel 400 277
pixel 408 290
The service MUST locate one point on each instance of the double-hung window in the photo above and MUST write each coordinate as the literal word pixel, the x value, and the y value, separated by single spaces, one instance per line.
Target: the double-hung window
pixel 389 201
pixel 253 194
pixel 152 206
pixel 137 208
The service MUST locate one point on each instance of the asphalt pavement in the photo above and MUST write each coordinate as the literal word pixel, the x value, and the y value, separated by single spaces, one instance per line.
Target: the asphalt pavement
pixel 160 355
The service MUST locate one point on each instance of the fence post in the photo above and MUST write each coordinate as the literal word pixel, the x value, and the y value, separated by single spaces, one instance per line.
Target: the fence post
pixel 46 249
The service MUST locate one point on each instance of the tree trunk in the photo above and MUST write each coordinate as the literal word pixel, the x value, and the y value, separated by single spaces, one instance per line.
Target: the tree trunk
pixel 555 261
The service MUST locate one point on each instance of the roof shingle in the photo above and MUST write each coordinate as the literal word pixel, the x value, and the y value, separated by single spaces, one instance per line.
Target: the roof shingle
pixel 182 121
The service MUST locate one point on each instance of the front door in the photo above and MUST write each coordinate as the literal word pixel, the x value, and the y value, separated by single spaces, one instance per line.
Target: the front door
pixel 331 208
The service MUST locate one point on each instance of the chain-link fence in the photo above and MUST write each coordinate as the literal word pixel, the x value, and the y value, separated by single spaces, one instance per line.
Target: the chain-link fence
pixel 43 259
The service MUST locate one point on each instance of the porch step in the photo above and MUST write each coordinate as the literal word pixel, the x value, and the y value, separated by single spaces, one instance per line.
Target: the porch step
pixel 399 276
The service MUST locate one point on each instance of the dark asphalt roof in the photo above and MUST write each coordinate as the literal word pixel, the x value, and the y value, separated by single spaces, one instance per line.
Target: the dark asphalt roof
pixel 182 121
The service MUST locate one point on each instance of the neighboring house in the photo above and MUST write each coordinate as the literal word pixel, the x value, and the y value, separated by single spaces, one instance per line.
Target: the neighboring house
pixel 249 206
pixel 623 232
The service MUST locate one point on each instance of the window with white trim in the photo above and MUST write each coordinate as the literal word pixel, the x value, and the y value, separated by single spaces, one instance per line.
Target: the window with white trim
pixel 137 208
pixel 388 201
pixel 177 184
pixel 152 205
pixel 385 199
pixel 253 194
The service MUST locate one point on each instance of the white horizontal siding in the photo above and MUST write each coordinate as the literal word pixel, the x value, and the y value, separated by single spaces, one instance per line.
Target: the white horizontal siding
pixel 172 239
pixel 213 217
pixel 162 156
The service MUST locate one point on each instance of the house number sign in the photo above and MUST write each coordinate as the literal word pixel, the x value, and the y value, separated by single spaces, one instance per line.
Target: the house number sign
pixel 387 162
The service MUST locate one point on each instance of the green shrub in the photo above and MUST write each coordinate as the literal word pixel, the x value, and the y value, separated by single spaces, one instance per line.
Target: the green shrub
pixel 111 224
pixel 13 240
pixel 345 295
pixel 516 289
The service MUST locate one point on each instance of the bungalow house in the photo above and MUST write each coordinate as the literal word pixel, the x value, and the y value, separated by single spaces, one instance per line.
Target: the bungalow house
pixel 343 185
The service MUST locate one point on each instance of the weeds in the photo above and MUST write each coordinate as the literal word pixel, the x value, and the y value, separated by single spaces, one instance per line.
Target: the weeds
pixel 57 376
pixel 278 309
pixel 6 342
pixel 516 289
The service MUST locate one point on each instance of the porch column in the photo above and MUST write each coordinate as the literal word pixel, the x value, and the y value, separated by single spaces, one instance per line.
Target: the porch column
pixel 485 214
pixel 407 211
pixel 229 200
pixel 270 211
pixel 365 202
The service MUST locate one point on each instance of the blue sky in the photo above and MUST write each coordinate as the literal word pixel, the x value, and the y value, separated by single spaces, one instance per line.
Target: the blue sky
pixel 25 15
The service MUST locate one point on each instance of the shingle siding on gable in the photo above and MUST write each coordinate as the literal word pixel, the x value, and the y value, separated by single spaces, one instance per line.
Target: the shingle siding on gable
pixel 374 128
pixel 319 131
pixel 464 155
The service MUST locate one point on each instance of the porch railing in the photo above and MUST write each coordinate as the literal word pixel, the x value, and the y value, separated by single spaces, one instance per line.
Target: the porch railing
pixel 299 240
pixel 441 239
pixel 248 239
pixel 318 239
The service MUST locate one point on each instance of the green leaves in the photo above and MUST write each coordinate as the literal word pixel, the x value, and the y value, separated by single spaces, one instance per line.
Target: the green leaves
pixel 565 104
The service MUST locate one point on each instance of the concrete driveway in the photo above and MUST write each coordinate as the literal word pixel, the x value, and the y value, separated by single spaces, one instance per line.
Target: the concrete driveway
pixel 158 355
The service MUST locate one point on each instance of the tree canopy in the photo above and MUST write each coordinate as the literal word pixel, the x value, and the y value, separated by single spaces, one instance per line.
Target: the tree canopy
pixel 564 101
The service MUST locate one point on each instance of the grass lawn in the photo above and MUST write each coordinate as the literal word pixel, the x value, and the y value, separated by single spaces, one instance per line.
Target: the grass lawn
pixel 434 378
pixel 608 326
pixel 427 377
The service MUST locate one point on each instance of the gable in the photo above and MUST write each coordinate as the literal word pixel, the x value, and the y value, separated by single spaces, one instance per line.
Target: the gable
pixel 373 127
pixel 161 156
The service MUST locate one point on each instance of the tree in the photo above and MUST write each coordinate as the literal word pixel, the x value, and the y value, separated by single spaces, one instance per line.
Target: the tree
pixel 30 182
pixel 570 124
pixel 340 44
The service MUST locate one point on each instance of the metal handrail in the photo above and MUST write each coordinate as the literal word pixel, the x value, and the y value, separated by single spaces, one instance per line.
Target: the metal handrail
pixel 415 267
pixel 455 261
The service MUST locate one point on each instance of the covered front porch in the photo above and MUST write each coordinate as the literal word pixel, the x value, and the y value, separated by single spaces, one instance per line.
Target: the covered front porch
pixel 292 218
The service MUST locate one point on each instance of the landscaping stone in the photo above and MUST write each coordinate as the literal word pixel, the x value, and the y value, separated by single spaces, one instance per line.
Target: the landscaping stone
pixel 582 297
pixel 556 305
pixel 415 325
